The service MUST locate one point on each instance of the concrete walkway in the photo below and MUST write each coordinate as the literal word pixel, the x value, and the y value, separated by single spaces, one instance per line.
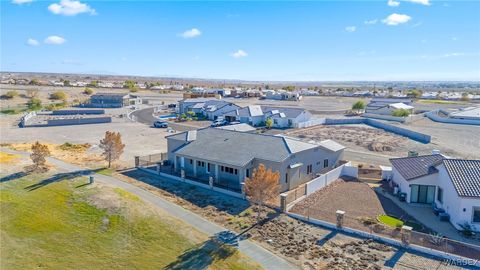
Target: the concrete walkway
pixel 424 214
pixel 259 254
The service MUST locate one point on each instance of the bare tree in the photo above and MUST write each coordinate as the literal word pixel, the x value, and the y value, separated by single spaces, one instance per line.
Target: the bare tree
pixel 112 146
pixel 262 187
pixel 39 152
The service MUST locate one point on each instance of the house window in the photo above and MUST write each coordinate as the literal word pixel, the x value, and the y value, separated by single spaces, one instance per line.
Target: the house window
pixel 309 169
pixel 286 178
pixel 440 195
pixel 325 163
pixel 222 168
pixel 318 163
pixel 201 163
pixel 476 214
pixel 247 173
pixel 208 167
pixel 236 171
pixel 191 161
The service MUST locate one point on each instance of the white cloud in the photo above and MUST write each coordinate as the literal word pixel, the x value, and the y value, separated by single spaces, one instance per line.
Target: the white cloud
pixel 194 32
pixel 70 8
pixel 453 54
pixel 19 2
pixel 396 19
pixel 32 42
pixel 351 28
pixel 454 38
pixel 239 54
pixel 393 3
pixel 422 2
pixel 374 21
pixel 55 40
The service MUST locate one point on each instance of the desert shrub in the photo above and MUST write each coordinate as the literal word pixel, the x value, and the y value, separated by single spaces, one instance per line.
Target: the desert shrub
pixel 401 113
pixel 10 94
pixel 59 95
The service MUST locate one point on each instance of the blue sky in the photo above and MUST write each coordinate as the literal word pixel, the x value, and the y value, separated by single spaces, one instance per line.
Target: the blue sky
pixel 321 40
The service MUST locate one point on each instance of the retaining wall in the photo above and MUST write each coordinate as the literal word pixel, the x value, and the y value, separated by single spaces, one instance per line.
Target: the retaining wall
pixel 78 121
pixel 75 112
pixel 313 122
pixel 433 115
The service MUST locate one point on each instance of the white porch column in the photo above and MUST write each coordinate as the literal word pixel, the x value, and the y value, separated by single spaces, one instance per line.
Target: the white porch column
pixel 194 167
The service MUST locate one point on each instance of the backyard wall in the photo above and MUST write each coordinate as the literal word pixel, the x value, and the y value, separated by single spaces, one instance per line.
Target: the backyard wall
pixel 79 121
pixel 310 123
pixel 329 177
pixel 433 115
pixel 417 136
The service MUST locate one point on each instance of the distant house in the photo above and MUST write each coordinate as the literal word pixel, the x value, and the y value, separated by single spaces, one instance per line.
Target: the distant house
pixel 112 100
pixel 452 185
pixel 283 95
pixel 256 115
pixel 386 106
pixel 230 156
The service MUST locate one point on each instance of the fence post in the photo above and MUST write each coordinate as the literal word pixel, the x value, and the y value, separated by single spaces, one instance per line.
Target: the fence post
pixel 340 214
pixel 137 161
pixel 242 188
pixel 283 202
pixel 406 234
pixel 210 182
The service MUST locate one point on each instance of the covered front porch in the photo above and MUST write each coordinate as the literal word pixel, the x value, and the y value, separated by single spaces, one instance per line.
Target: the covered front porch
pixel 201 170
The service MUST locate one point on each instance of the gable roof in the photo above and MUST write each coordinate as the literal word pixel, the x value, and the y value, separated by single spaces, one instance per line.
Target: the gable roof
pixel 401 106
pixel 465 176
pixel 414 167
pixel 235 148
pixel 257 110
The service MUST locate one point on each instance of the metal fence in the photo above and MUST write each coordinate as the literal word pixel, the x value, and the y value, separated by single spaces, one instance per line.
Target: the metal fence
pixel 374 227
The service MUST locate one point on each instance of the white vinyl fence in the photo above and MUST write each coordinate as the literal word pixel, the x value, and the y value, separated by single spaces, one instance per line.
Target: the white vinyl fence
pixel 329 177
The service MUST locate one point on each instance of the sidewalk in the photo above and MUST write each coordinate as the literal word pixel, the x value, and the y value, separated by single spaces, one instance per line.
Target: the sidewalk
pixel 424 214
pixel 262 256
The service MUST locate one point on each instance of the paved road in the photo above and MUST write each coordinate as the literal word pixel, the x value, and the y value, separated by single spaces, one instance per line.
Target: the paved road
pixel 262 256
pixel 145 116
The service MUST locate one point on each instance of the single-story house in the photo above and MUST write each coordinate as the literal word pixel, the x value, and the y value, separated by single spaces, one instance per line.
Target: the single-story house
pixel 449 184
pixel 256 115
pixel 283 95
pixel 112 100
pixel 386 106
pixel 470 113
pixel 231 156
pixel 210 108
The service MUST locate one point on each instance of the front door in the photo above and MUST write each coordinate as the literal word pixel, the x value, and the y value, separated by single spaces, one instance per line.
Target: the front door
pixel 422 194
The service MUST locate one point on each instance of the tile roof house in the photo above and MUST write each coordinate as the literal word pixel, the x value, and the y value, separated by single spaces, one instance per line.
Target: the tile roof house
pixel 256 115
pixel 450 184
pixel 230 156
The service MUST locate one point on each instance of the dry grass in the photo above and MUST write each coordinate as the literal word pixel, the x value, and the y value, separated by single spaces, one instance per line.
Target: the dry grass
pixel 6 158
pixel 71 153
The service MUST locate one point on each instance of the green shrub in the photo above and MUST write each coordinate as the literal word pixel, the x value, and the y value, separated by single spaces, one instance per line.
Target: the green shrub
pixel 88 91
pixel 359 105
pixel 59 95
pixel 401 113
pixel 34 104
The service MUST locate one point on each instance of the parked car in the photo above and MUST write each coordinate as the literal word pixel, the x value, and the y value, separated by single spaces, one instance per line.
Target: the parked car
pixel 219 123
pixel 160 124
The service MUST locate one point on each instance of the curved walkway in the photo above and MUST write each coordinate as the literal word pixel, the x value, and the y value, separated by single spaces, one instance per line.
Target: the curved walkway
pixel 259 254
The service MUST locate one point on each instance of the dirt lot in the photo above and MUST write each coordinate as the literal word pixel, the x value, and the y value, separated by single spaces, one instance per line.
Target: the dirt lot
pixel 459 141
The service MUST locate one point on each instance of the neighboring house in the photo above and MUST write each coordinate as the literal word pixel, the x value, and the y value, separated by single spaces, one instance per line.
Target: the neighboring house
pixel 210 108
pixel 231 156
pixel 386 106
pixel 256 115
pixel 450 184
pixel 470 113
pixel 112 100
